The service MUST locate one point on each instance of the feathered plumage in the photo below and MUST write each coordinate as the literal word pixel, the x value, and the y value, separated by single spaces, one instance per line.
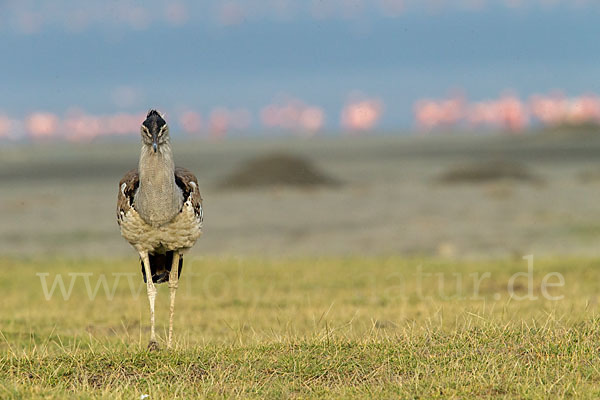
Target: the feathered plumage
pixel 179 234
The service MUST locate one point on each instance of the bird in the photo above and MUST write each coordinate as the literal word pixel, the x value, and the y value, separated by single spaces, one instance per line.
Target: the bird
pixel 159 212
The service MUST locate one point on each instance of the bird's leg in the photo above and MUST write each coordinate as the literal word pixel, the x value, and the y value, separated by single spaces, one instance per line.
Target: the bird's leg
pixel 151 289
pixel 173 283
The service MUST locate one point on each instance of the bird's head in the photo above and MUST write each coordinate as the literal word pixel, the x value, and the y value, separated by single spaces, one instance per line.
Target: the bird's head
pixel 154 130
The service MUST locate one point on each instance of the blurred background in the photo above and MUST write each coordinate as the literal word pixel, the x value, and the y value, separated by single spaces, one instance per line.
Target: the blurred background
pixel 460 129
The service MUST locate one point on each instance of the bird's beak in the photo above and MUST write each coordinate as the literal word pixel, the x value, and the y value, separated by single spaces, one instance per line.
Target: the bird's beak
pixel 155 142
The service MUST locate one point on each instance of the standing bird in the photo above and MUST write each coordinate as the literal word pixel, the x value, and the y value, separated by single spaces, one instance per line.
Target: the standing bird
pixel 159 212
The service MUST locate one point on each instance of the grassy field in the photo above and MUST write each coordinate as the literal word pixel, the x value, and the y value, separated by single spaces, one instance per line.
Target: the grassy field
pixel 397 282
pixel 304 328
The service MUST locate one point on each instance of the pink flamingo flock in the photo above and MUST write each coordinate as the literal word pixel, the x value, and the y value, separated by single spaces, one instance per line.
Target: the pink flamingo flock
pixel 287 115
pixel 359 115
pixel 507 113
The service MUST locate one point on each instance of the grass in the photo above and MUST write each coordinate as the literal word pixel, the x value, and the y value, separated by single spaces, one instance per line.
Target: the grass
pixel 313 328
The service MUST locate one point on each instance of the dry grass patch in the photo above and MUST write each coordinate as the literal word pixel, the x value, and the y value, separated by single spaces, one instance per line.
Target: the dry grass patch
pixel 305 328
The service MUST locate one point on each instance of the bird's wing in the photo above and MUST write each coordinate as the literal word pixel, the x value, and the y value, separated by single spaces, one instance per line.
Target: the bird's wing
pixel 188 184
pixel 127 187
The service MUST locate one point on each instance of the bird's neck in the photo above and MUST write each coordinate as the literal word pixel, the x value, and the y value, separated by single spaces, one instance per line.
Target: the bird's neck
pixel 158 198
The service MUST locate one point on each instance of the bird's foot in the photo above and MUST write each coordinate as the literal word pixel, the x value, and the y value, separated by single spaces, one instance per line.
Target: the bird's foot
pixel 153 346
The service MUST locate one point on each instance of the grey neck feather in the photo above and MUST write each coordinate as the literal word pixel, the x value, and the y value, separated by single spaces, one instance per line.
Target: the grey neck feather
pixel 158 199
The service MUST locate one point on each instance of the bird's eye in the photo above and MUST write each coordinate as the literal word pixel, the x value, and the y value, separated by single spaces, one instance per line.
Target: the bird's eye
pixel 162 130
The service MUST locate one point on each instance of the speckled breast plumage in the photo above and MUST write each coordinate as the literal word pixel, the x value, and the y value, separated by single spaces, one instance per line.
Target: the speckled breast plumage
pixel 180 233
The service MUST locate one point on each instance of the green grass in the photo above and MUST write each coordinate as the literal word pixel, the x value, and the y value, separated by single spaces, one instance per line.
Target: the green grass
pixel 313 328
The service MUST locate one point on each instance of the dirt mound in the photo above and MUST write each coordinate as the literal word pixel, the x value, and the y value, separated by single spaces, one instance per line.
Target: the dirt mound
pixel 489 171
pixel 276 170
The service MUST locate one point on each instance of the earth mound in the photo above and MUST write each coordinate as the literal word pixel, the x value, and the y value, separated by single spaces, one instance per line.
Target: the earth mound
pixel 489 171
pixel 277 169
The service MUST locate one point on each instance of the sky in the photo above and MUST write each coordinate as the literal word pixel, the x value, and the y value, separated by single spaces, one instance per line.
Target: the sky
pixel 280 65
